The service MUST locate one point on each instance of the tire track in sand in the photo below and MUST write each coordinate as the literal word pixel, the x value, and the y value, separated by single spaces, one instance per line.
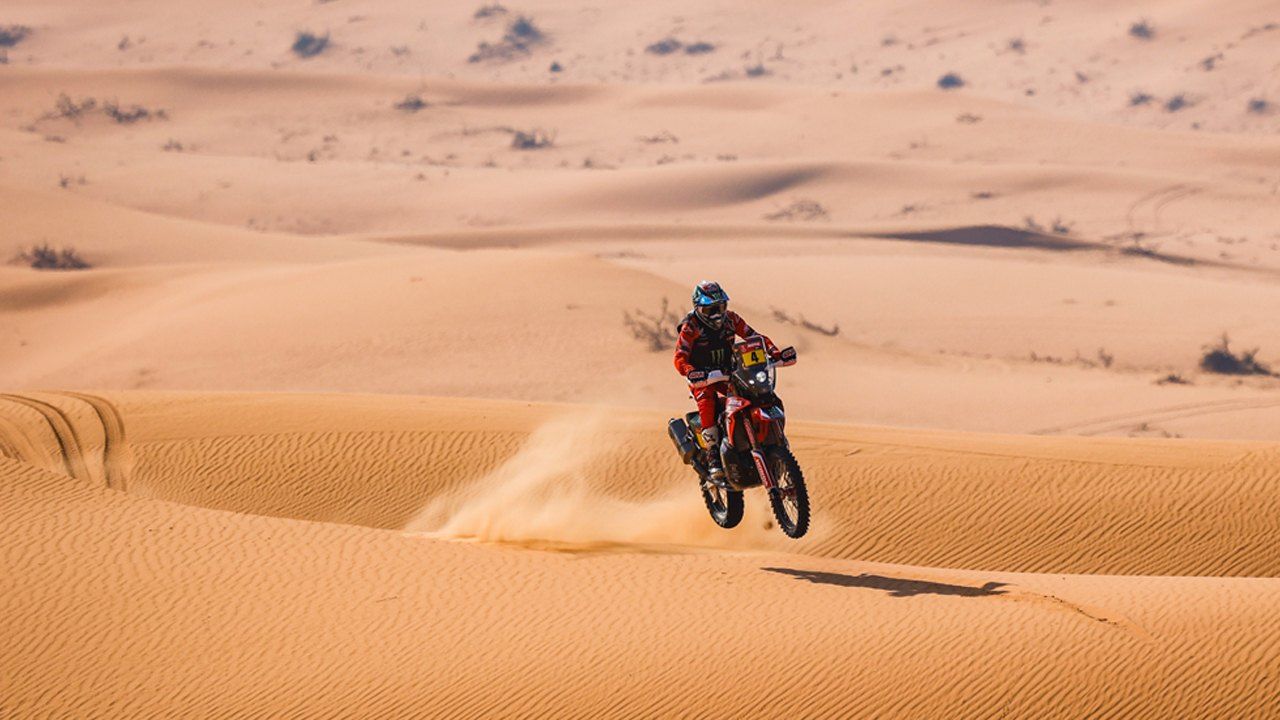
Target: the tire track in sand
pixel 117 457
pixel 63 429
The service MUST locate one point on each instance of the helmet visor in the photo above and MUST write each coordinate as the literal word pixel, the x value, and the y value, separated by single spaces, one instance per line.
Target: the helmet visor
pixel 714 311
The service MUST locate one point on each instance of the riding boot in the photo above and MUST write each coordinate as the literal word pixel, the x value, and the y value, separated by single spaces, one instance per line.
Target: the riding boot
pixel 715 469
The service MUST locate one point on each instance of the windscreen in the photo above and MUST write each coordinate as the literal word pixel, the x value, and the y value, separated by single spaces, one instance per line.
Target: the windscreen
pixel 752 355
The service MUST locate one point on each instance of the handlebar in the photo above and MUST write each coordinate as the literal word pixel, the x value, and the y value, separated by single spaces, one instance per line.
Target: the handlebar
pixel 786 357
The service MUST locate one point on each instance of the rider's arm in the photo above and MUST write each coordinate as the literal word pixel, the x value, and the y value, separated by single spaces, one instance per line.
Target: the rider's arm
pixel 684 345
pixel 743 330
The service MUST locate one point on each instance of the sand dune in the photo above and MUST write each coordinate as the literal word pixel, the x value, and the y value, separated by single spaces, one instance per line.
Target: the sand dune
pixel 983 502
pixel 293 496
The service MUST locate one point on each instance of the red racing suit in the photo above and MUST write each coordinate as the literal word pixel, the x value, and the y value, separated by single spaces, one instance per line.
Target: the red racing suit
pixel 700 347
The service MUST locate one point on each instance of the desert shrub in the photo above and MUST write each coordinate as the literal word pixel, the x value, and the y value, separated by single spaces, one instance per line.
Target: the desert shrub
pixel 1259 106
pixel 172 146
pixel 657 330
pixel 131 114
pixel 950 81
pixel 1220 358
pixel 1177 102
pixel 664 136
pixel 65 107
pixel 521 35
pixel 490 10
pixel 534 139
pixel 1058 226
pixel 802 210
pixel 783 316
pixel 756 70
pixel 45 257
pixel 1101 359
pixel 1173 379
pixel 699 48
pixel 307 44
pixel 665 46
pixel 555 67
pixel 11 35
pixel 1142 29
pixel 412 102
pixel 1139 97
pixel 1017 45
pixel 523 30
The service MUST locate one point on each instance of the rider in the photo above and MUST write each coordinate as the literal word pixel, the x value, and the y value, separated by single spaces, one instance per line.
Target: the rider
pixel 704 347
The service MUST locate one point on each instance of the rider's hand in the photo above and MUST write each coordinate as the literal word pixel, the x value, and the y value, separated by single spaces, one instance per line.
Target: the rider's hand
pixel 696 376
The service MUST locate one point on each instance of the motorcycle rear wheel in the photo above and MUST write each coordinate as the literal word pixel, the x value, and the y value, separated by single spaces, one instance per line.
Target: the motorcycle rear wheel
pixel 724 505
pixel 789 496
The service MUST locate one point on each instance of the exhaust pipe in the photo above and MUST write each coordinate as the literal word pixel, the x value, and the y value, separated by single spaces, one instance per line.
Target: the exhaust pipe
pixel 679 433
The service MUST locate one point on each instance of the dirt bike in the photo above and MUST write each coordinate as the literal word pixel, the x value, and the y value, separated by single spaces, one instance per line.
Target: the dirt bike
pixel 753 445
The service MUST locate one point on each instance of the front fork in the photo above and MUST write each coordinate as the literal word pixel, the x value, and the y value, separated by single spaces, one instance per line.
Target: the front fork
pixel 757 454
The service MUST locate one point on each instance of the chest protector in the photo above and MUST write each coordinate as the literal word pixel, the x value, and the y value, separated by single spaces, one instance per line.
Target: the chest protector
pixel 712 348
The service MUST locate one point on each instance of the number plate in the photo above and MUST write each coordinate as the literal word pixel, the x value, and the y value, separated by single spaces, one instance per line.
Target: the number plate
pixel 754 357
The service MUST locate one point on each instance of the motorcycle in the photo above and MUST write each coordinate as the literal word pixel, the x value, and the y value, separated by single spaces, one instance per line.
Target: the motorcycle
pixel 753 446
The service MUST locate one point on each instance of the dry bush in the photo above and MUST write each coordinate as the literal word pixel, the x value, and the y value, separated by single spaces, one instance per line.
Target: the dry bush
pixel 412 103
pixel 45 257
pixel 173 146
pixel 665 46
pixel 664 136
pixel 1143 29
pixel 756 70
pixel 11 35
pixel 518 41
pixel 1177 102
pixel 131 114
pixel 801 210
pixel 1220 358
pixel 1259 106
pixel 307 44
pixel 1101 359
pixel 535 139
pixel 523 30
pixel 699 48
pixel 66 108
pixel 657 330
pixel 783 317
pixel 950 81
pixel 490 10
pixel 1057 227
pixel 1017 45
pixel 1139 98
pixel 1173 379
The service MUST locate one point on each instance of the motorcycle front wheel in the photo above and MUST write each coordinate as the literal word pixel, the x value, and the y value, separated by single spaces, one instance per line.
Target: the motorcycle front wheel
pixel 789 497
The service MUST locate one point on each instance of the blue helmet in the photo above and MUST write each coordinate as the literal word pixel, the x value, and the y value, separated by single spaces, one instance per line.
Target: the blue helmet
pixel 710 302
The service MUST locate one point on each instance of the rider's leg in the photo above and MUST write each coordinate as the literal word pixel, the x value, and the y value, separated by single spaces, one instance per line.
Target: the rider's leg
pixel 708 400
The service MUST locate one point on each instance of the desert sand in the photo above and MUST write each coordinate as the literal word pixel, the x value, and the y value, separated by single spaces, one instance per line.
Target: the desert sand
pixel 346 417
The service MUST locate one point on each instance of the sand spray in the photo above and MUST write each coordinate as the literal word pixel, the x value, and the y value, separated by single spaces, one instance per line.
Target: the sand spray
pixel 547 494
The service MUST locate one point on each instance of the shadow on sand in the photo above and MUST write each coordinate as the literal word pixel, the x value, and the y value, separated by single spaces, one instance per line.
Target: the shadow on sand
pixel 897 587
